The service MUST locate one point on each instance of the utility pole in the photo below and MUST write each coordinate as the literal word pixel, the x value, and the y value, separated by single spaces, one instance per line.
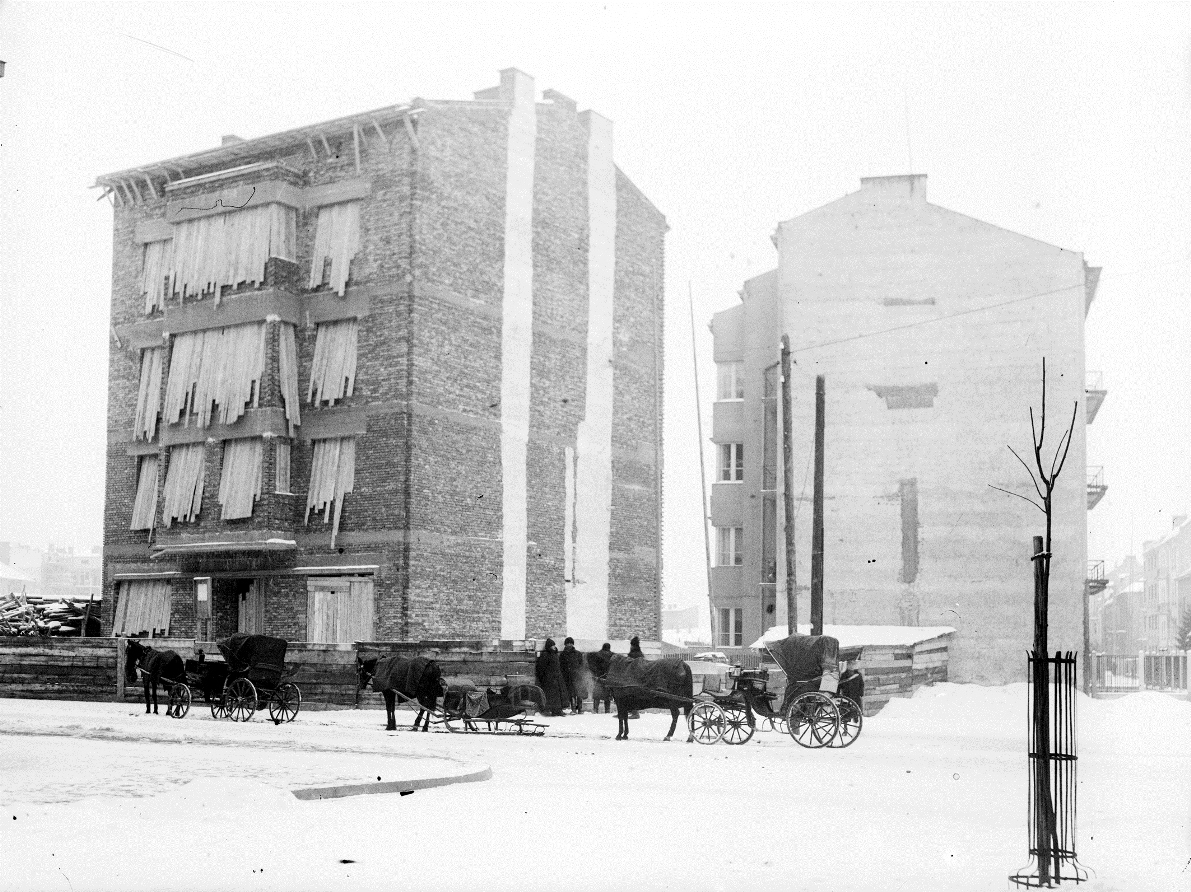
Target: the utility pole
pixel 702 469
pixel 788 492
pixel 817 530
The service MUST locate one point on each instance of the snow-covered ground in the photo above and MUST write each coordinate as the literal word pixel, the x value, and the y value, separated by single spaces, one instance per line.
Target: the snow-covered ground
pixel 931 797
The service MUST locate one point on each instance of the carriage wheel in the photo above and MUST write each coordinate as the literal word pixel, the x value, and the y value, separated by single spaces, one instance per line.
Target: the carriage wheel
pixel 851 720
pixel 179 703
pixel 813 720
pixel 707 723
pixel 219 707
pixel 241 700
pixel 737 729
pixel 285 703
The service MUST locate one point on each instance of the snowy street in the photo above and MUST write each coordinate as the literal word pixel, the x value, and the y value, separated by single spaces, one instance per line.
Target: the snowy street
pixel 932 796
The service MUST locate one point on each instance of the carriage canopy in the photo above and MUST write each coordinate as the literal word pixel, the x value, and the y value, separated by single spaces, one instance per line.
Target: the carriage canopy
pixel 262 657
pixel 811 663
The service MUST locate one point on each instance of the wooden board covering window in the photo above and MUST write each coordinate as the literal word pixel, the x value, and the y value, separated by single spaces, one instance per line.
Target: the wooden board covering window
pixel 184 483
pixel 333 371
pixel 250 610
pixel 218 367
pixel 332 474
pixel 336 242
pixel 287 371
pixel 227 249
pixel 240 477
pixel 148 401
pixel 339 609
pixel 282 481
pixel 157 262
pixel 145 506
pixel 142 606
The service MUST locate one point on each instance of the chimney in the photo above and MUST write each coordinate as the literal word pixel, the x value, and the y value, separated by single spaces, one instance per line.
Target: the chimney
pixel 230 139
pixel 908 188
pixel 514 85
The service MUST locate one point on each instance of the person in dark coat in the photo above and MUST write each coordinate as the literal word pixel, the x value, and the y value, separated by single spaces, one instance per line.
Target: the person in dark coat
pixel 549 674
pixel 635 653
pixel 573 675
pixel 598 664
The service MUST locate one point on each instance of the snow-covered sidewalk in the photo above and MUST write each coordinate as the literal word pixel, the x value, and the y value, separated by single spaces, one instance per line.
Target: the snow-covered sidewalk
pixel 932 796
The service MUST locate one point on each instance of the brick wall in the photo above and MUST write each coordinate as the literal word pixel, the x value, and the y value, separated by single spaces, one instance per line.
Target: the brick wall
pixel 426 505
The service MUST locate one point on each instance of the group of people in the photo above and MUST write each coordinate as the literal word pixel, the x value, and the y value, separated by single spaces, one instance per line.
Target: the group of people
pixel 563 676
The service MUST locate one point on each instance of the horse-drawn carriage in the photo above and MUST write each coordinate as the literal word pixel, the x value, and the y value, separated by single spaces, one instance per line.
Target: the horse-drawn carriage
pixel 818 708
pixel 252 673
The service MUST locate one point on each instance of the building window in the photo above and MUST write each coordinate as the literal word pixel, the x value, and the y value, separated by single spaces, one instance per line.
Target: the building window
pixel 240 477
pixel 731 546
pixel 287 371
pixel 227 249
pixel 145 505
pixel 731 627
pixel 148 401
pixel 142 607
pixel 333 371
pixel 184 483
pixel 731 380
pixel 332 475
pixel 282 454
pixel 220 367
pixel 336 242
pixel 731 462
pixel 158 258
pixel 339 609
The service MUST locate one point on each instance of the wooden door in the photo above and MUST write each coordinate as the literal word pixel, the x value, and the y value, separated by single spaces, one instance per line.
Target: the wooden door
pixel 251 609
pixel 339 609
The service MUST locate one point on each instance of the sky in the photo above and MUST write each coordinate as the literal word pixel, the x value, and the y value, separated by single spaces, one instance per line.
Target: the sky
pixel 1068 123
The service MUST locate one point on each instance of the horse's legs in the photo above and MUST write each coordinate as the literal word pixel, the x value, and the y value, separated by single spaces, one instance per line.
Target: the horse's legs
pixel 390 705
pixel 673 722
pixel 686 714
pixel 147 710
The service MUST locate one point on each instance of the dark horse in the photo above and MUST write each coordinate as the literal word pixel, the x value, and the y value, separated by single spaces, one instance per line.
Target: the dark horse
pixel 417 679
pixel 162 667
pixel 648 684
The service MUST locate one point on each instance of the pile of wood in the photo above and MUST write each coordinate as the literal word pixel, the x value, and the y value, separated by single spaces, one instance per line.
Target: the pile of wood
pixel 39 617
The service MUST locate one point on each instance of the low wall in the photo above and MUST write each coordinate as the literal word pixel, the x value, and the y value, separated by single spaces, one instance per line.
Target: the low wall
pixel 58 668
pixel 898 670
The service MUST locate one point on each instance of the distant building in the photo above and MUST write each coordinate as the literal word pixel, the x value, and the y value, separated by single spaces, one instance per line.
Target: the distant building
pixel 1167 569
pixel 56 571
pixel 930 328
pixel 396 375
pixel 1116 611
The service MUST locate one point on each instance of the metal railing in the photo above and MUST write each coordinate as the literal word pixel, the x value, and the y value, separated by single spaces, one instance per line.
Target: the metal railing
pixel 1095 571
pixel 1096 477
pixel 1114 673
pixel 1093 381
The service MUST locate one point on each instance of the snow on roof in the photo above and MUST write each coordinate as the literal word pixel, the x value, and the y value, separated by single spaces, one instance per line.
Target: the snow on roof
pixel 860 636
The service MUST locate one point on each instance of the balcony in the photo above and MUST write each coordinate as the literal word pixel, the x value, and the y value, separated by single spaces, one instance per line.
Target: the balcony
pixel 1094 393
pixel 1096 486
pixel 1096 581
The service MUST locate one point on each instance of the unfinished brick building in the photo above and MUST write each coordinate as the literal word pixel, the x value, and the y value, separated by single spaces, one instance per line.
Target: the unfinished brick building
pixel 392 376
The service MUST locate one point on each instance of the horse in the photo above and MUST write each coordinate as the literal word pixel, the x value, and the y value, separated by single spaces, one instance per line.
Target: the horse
pixel 417 679
pixel 639 684
pixel 157 667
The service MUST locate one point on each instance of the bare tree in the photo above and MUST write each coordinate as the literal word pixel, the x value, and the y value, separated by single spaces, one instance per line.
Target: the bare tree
pixel 1050 849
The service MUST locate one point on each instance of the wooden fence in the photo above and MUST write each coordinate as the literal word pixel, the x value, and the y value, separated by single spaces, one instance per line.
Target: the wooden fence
pixel 58 668
pixel 1122 673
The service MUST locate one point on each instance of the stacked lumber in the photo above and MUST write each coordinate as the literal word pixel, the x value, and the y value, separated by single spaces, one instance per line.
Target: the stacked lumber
pixel 58 668
pixel 32 616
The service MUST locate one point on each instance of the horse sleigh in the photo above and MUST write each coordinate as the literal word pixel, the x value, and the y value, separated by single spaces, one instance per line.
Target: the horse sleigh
pixel 418 682
pixel 253 673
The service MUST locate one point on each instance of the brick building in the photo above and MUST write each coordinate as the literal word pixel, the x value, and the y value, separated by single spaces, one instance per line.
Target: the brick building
pixel 930 328
pixel 1166 598
pixel 392 376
